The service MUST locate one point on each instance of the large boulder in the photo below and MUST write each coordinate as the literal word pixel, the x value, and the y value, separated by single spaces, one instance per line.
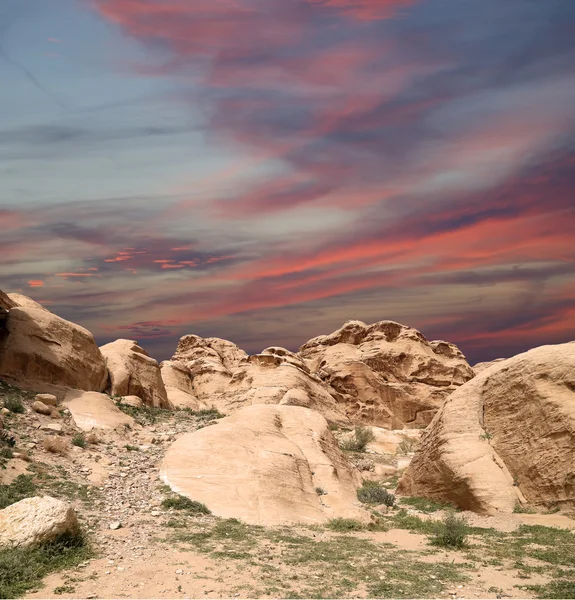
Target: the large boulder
pixel 91 410
pixel 36 521
pixel 39 346
pixel 221 375
pixel 179 387
pixel 479 367
pixel 264 465
pixel 505 437
pixel 134 373
pixel 386 374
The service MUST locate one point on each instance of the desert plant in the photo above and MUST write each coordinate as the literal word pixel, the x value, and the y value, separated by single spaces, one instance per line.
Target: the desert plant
pixel 14 404
pixel 344 525
pixel 358 440
pixel 451 532
pixel 372 492
pixel 486 436
pixel 55 445
pixel 183 503
pixel 407 445
pixel 320 491
pixel 22 487
pixel 79 440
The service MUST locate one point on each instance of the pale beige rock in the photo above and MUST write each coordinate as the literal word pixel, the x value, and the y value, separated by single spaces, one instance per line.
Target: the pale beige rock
pixel 179 387
pixel 35 521
pixel 40 346
pixel 263 465
pixel 41 408
pixel 222 376
pixel 507 436
pixel 386 374
pixel 91 410
pixel 47 399
pixel 25 302
pixel 134 401
pixel 134 373
pixel 400 441
pixel 479 367
pixel 6 302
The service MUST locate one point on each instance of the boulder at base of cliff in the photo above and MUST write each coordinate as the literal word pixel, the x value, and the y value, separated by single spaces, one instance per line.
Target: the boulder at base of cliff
pixel 505 437
pixel 91 410
pixel 35 521
pixel 264 465
pixel 39 346
pixel 134 373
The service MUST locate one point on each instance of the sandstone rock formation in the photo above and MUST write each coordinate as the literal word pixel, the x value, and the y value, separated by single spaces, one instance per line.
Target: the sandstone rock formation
pixel 479 367
pixel 91 410
pixel 221 375
pixel 179 387
pixel 134 373
pixel 507 436
pixel 401 441
pixel 37 345
pixel 386 374
pixel 263 465
pixel 35 521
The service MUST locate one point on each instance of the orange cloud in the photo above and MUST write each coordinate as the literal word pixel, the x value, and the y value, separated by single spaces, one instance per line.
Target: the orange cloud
pixel 36 283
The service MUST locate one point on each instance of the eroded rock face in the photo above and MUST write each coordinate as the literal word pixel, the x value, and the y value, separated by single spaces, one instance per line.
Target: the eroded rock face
pixel 225 377
pixel 179 388
pixel 39 346
pixel 36 521
pixel 134 373
pixel 386 374
pixel 263 465
pixel 479 367
pixel 507 436
pixel 91 410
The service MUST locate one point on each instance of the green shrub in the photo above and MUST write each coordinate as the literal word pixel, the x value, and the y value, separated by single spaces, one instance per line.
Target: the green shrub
pixel 14 404
pixel 22 569
pixel 372 492
pixel 407 445
pixel 183 503
pixel 22 487
pixel 79 440
pixel 344 525
pixel 358 440
pixel 425 505
pixel 451 532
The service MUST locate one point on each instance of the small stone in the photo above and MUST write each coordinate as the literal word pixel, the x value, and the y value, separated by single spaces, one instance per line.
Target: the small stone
pixel 5 411
pixel 54 427
pixel 91 596
pixel 179 572
pixel 156 513
pixel 41 408
pixel 115 525
pixel 47 399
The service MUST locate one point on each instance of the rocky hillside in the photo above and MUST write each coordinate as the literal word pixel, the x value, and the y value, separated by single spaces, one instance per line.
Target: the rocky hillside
pixel 218 474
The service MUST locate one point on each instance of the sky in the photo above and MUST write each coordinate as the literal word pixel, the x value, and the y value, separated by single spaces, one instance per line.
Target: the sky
pixel 265 170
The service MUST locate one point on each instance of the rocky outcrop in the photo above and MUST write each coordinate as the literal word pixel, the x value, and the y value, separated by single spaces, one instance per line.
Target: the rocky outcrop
pixel 263 465
pixel 386 374
pixel 134 373
pixel 36 521
pixel 225 377
pixel 38 345
pixel 505 437
pixel 91 410
pixel 179 387
pixel 479 367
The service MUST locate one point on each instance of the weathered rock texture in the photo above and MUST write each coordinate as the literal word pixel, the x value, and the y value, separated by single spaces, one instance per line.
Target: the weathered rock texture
pixel 91 410
pixel 221 375
pixel 37 345
pixel 134 373
pixel 36 521
pixel 479 367
pixel 507 436
pixel 263 465
pixel 179 387
pixel 386 374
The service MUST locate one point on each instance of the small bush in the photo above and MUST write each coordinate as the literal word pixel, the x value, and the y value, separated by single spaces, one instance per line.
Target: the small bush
pixel 183 503
pixel 451 532
pixel 55 445
pixel 79 440
pixel 22 487
pixel 425 505
pixel 344 525
pixel 407 445
pixel 208 413
pixel 14 404
pixel 358 440
pixel 372 492
pixel 526 510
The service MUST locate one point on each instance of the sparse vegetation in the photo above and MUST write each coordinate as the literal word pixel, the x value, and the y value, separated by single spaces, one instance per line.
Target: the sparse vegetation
pixel 183 503
pixel 451 532
pixel 208 413
pixel 520 509
pixel 79 440
pixel 22 569
pixel 407 445
pixel 425 505
pixel 320 491
pixel 344 525
pixel 22 487
pixel 486 436
pixel 372 492
pixel 358 440
pixel 131 448
pixel 14 404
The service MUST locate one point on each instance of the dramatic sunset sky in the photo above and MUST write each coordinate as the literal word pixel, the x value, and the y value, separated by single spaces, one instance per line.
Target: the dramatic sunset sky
pixel 264 170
